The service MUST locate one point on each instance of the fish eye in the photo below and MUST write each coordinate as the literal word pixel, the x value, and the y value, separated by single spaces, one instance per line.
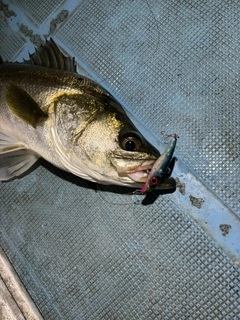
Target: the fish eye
pixel 130 143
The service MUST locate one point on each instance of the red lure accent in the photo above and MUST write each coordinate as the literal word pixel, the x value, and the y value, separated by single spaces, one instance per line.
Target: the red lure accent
pixel 154 180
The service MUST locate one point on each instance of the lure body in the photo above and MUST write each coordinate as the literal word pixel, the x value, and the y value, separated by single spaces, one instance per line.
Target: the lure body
pixel 159 168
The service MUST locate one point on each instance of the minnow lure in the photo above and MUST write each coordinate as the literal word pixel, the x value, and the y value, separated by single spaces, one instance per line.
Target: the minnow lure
pixel 159 168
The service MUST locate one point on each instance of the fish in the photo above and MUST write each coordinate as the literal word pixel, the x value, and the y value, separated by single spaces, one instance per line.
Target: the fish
pixel 48 110
pixel 160 167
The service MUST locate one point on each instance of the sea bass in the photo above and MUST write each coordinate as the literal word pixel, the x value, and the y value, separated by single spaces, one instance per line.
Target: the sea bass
pixel 48 110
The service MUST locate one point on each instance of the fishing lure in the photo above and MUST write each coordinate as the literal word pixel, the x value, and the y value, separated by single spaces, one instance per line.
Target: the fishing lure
pixel 160 167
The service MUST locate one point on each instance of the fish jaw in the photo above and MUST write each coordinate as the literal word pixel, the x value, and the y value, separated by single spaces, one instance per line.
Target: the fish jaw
pixel 140 173
pixel 135 171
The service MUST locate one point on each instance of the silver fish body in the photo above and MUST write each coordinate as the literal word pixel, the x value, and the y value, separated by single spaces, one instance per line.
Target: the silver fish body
pixel 49 111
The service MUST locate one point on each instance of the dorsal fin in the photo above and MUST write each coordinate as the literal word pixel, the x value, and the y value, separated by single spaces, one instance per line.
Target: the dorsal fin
pixel 48 55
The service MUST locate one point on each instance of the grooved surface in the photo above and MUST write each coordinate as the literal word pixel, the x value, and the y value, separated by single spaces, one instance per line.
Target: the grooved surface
pixel 85 258
pixel 11 43
pixel 39 10
pixel 86 254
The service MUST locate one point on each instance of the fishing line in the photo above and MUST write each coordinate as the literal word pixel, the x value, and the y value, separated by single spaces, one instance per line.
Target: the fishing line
pixel 131 195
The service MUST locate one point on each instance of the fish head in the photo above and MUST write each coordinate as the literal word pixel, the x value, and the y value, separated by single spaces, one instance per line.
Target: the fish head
pixel 95 139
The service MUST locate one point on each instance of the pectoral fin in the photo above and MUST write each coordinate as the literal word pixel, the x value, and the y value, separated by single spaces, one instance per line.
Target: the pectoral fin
pixel 23 106
pixel 14 163
pixel 8 144
pixel 14 157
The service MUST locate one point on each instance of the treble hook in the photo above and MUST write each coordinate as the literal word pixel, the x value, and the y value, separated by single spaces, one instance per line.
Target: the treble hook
pixel 165 136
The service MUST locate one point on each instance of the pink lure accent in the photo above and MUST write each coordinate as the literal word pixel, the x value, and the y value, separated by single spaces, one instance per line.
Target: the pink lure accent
pixel 144 188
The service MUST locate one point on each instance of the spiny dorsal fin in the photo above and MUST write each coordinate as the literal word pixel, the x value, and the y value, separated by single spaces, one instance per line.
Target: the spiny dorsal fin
pixel 23 106
pixel 48 55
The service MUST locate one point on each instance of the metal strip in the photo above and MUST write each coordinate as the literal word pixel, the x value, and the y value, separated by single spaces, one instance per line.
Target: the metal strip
pixel 15 302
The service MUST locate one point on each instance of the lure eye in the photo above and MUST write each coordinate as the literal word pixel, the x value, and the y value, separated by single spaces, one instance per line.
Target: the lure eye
pixel 130 143
pixel 154 181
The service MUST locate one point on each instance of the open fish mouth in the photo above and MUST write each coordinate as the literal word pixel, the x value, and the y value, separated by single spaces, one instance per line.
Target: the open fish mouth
pixel 138 174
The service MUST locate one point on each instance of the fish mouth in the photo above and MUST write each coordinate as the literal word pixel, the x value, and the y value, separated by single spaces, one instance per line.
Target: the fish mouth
pixel 141 173
pixel 137 173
